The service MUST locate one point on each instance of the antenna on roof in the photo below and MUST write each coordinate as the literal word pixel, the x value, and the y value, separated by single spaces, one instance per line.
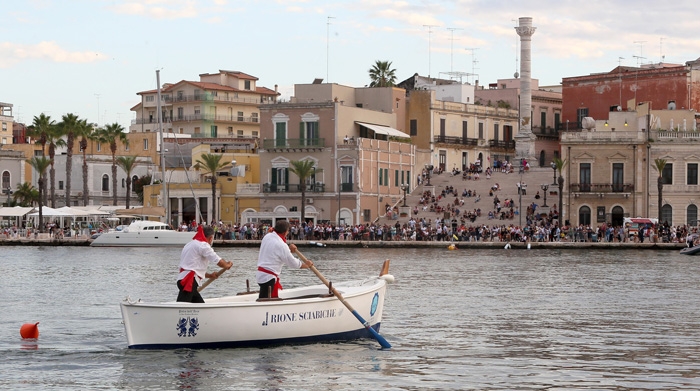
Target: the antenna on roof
pixel 452 40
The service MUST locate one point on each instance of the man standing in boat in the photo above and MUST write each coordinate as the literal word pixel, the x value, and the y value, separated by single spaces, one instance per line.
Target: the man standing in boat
pixel 274 253
pixel 194 259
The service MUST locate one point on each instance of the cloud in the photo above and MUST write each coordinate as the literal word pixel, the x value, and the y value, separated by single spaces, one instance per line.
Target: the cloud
pixel 160 9
pixel 11 54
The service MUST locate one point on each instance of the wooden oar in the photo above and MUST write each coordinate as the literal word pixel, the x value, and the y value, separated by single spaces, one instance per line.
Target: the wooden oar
pixel 385 344
pixel 207 282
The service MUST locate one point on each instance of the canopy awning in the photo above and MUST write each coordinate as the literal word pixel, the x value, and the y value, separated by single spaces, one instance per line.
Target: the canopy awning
pixel 384 130
pixel 50 212
pixel 72 211
pixel 642 221
pixel 16 211
pixel 156 211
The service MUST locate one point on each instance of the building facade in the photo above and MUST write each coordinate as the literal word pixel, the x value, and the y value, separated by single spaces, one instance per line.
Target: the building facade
pixel 223 104
pixel 6 124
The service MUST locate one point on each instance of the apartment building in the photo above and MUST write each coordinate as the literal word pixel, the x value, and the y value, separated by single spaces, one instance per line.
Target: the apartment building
pixel 6 123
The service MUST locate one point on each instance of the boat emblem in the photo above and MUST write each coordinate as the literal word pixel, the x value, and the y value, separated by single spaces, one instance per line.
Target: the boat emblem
pixel 375 303
pixel 187 327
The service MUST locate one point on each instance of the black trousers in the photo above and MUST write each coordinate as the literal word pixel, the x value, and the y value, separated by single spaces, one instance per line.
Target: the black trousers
pixel 189 297
pixel 266 289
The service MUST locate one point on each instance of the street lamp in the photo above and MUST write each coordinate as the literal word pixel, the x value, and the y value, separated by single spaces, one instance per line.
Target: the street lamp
pixel 544 188
pixel 429 169
pixel 554 173
pixel 404 187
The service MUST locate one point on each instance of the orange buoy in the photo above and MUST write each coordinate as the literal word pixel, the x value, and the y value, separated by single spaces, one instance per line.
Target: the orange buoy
pixel 29 330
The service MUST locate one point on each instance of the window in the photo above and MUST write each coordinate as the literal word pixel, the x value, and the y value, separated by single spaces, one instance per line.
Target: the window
pixel 255 133
pixel 4 126
pixel 197 94
pixel 105 182
pixel 134 179
pixel 254 117
pixel 667 174
pixel 366 214
pixel 145 144
pixel 580 115
pixel 280 123
pixel 346 178
pixel 543 120
pixel 240 116
pixel 150 98
pixel 123 183
pixel 442 128
pixel 617 177
pixel 246 84
pixel 666 214
pixel 197 111
pixel 495 132
pixel 691 215
pixel 557 120
pixel 126 147
pixel 481 130
pixel 99 147
pixel 464 130
pixel 239 133
pixel 396 178
pixel 230 130
pixel 383 177
pixel 585 177
pixel 180 113
pixel 6 180
pixel 692 174
pixel 4 140
pixel 60 185
pixel 180 95
pixel 214 131
pixel 414 127
pixel 584 215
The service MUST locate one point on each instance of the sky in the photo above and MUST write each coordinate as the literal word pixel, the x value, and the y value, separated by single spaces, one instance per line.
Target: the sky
pixel 92 57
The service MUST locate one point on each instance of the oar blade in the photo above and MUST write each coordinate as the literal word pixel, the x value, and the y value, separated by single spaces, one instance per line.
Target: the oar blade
pixel 382 341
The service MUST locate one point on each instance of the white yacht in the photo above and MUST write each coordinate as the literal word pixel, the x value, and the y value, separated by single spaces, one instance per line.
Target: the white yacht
pixel 143 234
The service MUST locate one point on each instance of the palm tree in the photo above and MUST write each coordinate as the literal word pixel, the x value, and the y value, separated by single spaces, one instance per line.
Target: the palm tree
pixel 560 164
pixel 53 138
pixel 40 164
pixel 211 163
pixel 86 131
pixel 26 194
pixel 40 126
pixel 659 165
pixel 127 163
pixel 382 75
pixel 112 134
pixel 303 169
pixel 69 126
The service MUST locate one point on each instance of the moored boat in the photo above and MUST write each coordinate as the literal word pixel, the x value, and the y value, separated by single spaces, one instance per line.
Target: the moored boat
pixel 301 315
pixel 691 250
pixel 143 233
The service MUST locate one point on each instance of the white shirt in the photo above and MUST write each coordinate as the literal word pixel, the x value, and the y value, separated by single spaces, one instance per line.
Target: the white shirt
pixel 274 253
pixel 196 256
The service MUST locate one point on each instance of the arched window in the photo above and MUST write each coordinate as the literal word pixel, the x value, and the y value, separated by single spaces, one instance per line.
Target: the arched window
pixel 6 180
pixel 691 215
pixel 584 215
pixel 666 214
pixel 123 183
pixel 105 182
pixel 134 179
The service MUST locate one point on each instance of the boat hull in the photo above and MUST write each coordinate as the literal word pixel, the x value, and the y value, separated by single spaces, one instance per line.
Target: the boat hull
pixel 695 250
pixel 304 315
pixel 142 239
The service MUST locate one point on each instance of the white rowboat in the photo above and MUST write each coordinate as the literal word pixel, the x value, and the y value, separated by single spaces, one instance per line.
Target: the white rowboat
pixel 301 315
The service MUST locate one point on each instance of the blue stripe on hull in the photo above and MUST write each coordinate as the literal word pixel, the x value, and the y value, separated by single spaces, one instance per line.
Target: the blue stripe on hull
pixel 336 337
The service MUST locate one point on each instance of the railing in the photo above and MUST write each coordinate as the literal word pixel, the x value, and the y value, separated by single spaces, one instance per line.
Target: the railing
pixel 502 144
pixel 601 187
pixel 282 188
pixel 548 131
pixel 215 98
pixel 347 187
pixel 456 140
pixel 662 134
pixel 197 117
pixel 294 143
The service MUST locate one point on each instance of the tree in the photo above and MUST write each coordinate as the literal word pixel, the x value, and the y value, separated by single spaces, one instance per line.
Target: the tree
pixel 40 164
pixel 382 75
pixel 659 165
pixel 69 126
pixel 211 163
pixel 139 184
pixel 26 194
pixel 560 164
pixel 86 131
pixel 127 163
pixel 303 169
pixel 53 139
pixel 112 134
pixel 40 126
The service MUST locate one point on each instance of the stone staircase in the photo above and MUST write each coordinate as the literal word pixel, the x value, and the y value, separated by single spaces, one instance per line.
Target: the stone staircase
pixel 508 189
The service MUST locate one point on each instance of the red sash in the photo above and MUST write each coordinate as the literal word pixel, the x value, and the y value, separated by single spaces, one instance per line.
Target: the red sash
pixel 278 284
pixel 187 281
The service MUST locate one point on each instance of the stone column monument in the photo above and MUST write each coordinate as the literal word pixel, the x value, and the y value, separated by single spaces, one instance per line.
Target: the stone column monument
pixel 525 139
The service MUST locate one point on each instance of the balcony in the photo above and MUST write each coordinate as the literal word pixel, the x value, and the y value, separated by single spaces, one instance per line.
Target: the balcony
pixel 347 187
pixel 198 117
pixel 456 140
pixel 215 98
pixel 601 187
pixel 303 144
pixel 504 145
pixel 547 132
pixel 282 188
